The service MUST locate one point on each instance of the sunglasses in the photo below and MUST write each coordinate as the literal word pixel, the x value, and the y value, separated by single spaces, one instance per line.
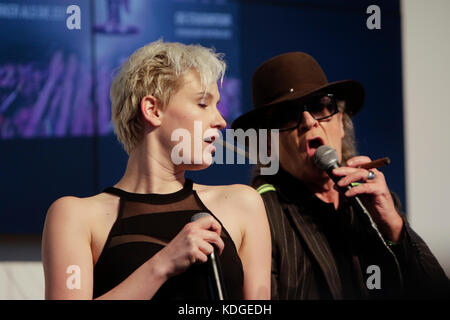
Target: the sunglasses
pixel 321 106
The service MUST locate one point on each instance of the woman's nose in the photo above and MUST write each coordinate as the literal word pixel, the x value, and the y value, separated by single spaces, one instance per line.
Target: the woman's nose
pixel 219 121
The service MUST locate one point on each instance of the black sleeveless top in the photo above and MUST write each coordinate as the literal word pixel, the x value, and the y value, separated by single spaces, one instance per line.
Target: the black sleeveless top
pixel 144 225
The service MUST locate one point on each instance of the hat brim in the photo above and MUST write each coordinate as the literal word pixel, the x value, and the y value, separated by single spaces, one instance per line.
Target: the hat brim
pixel 349 90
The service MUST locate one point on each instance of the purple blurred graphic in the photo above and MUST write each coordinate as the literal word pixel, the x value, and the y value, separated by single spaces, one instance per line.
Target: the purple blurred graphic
pixel 113 24
pixel 46 102
pixel 230 99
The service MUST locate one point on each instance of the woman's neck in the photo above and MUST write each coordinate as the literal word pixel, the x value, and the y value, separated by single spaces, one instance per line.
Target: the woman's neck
pixel 146 173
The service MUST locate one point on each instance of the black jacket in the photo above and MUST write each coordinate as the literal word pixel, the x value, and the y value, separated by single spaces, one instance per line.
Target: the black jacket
pixel 306 266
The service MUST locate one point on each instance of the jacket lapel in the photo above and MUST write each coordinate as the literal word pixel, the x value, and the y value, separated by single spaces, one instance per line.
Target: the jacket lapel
pixel 318 245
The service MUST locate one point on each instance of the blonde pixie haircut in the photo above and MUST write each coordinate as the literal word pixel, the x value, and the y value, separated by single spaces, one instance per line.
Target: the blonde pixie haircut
pixel 155 69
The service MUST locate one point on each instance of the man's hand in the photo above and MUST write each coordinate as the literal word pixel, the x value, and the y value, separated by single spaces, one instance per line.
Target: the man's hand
pixel 374 193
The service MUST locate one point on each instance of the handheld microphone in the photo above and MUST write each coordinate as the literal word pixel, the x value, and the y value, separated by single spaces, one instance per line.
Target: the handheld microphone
pixel 215 280
pixel 326 159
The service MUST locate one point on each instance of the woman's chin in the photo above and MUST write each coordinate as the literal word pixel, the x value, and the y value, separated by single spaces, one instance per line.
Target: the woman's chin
pixel 206 161
pixel 197 167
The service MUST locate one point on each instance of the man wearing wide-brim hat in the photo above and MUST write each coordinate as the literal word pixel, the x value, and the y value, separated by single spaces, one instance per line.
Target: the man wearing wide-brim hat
pixel 323 247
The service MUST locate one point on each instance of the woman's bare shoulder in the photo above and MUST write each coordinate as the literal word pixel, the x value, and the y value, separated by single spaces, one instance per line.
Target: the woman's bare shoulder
pixel 77 208
pixel 235 195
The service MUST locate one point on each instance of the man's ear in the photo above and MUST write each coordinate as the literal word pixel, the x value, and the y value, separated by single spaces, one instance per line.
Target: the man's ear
pixel 151 110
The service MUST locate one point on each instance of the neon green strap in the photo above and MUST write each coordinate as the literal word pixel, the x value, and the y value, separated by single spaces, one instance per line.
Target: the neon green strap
pixel 265 187
pixel 391 243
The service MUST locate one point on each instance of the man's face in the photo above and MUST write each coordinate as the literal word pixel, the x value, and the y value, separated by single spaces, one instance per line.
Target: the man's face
pixel 297 146
pixel 193 109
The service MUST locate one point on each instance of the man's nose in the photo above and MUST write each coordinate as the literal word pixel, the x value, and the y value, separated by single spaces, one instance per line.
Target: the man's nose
pixel 308 121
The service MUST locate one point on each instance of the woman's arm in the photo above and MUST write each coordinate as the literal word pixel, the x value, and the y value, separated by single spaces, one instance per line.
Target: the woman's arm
pixel 256 247
pixel 66 248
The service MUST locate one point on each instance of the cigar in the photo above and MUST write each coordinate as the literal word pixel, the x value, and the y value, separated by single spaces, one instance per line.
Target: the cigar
pixel 371 165
pixel 376 163
pixel 235 149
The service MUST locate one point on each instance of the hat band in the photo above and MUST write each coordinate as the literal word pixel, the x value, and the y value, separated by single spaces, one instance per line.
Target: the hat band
pixel 294 93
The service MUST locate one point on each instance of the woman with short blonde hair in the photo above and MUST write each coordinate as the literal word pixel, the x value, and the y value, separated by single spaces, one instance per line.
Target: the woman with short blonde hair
pixel 140 239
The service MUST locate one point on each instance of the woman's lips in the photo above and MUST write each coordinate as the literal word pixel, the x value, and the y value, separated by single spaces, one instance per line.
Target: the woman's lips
pixel 210 146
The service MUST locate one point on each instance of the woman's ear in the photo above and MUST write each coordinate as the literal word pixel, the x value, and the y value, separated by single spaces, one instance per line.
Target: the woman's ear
pixel 151 110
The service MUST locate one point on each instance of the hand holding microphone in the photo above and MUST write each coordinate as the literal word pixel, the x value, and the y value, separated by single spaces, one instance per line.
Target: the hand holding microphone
pixel 192 244
pixel 215 280
pixel 374 190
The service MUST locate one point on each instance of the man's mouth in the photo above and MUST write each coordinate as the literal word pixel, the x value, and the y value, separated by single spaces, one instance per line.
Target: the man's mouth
pixel 312 145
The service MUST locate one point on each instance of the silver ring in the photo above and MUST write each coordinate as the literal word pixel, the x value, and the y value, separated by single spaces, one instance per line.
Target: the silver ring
pixel 371 175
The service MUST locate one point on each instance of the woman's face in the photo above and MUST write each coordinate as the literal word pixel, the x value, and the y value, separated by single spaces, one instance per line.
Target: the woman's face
pixel 191 121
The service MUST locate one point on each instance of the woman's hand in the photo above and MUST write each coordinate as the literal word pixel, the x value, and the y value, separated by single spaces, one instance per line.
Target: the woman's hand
pixel 191 245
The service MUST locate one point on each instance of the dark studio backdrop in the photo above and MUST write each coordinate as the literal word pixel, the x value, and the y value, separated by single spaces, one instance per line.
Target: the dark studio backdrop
pixel 56 137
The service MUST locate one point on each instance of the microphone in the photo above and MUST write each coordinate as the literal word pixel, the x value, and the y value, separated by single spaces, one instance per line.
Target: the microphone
pixel 326 159
pixel 215 281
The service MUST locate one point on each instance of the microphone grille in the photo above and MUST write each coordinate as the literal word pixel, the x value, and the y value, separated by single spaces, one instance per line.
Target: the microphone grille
pixel 325 157
pixel 199 216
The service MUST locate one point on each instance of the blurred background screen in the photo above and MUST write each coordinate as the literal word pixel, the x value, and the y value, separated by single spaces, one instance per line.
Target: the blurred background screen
pixel 56 135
